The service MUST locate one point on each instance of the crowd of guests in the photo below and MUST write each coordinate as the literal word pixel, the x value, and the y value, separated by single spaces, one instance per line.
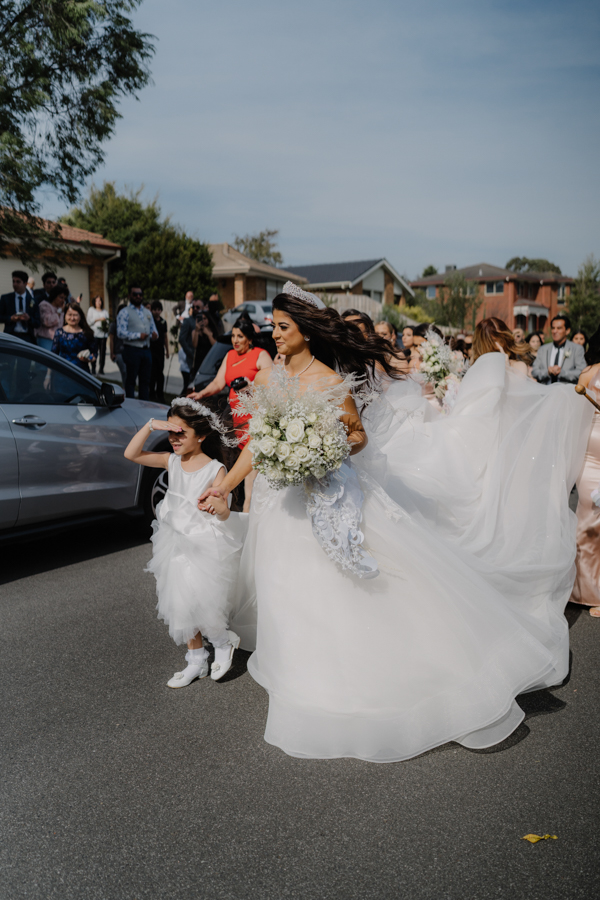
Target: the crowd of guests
pixel 49 317
pixel 214 365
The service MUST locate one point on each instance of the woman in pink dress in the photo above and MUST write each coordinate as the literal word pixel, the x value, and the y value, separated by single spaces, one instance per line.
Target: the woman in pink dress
pixel 586 590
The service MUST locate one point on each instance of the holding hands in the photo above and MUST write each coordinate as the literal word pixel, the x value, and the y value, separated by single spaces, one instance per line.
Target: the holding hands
pixel 214 501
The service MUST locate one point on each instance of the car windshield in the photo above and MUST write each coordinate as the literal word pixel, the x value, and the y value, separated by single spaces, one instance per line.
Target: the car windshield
pixel 267 307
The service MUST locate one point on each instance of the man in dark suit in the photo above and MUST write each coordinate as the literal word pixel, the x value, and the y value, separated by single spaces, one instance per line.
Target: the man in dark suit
pixel 49 281
pixel 18 310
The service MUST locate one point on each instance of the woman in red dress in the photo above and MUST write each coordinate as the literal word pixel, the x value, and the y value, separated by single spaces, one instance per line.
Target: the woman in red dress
pixel 236 372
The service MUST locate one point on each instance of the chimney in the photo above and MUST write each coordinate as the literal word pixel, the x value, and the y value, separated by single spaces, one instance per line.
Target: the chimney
pixel 450 268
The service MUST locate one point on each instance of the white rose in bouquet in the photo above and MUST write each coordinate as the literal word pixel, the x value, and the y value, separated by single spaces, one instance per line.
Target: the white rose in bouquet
pixel 292 462
pixel 295 431
pixel 312 418
pixel 302 454
pixel 283 450
pixel 267 445
pixel 314 441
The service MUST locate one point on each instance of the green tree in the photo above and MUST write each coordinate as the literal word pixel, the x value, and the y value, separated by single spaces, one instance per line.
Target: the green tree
pixel 65 66
pixel 260 246
pixel 429 270
pixel 457 302
pixel 524 264
pixel 160 256
pixel 584 300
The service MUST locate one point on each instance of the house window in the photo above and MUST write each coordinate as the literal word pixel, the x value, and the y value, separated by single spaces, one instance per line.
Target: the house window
pixel 273 288
pixel 430 292
pixel 494 287
pixel 561 295
pixel 377 295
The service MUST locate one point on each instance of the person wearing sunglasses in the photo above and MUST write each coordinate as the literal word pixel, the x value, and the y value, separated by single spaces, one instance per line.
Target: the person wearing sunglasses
pixel 136 328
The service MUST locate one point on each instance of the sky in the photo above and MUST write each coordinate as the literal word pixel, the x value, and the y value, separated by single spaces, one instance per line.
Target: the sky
pixel 444 132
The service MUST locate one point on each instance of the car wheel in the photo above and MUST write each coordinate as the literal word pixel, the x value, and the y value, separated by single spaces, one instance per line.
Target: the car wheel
pixel 154 491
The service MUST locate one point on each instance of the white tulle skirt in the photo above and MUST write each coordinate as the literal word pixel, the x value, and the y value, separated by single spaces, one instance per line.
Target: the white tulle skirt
pixel 385 669
pixel 196 575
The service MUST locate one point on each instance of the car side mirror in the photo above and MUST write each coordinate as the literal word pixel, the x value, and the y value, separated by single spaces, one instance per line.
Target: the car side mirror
pixel 111 397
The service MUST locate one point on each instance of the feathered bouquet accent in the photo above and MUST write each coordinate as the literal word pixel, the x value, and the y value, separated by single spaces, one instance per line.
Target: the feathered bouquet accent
pixel 441 366
pixel 296 435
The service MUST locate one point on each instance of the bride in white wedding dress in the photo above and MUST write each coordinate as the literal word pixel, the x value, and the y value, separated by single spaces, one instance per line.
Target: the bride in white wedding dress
pixel 430 651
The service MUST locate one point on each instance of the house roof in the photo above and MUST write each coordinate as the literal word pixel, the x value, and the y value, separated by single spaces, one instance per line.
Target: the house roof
pixel 326 275
pixel 79 235
pixel 487 272
pixel 227 261
pixel 335 273
pixel 72 235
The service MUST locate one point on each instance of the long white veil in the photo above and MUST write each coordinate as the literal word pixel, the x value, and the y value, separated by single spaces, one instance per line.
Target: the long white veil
pixel 491 480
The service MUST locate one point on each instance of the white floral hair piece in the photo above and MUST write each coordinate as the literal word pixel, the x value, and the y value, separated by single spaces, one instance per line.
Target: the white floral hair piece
pixel 216 422
pixel 294 291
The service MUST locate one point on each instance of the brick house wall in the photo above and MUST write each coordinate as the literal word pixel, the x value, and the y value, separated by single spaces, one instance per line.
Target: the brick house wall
pixel 227 292
pixel 96 279
pixel 388 291
pixel 256 288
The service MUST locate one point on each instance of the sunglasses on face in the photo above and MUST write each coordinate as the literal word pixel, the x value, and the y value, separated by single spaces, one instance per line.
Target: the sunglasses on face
pixel 136 294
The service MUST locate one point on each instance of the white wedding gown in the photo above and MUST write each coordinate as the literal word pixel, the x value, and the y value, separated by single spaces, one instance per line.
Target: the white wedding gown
pixel 435 649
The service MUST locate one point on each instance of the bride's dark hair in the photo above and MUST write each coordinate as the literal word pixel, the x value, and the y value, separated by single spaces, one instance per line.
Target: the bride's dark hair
pixel 340 345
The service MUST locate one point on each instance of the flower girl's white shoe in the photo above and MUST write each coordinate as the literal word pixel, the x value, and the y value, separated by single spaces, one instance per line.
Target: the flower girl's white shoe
pixel 224 657
pixel 196 668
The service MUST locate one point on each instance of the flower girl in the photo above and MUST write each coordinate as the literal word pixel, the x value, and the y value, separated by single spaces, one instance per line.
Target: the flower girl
pixel 195 555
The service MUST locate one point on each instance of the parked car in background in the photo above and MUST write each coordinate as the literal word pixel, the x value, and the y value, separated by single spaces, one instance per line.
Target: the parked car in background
pixel 260 312
pixel 62 437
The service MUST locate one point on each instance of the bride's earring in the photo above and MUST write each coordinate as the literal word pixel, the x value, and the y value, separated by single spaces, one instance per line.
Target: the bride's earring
pixel 306 338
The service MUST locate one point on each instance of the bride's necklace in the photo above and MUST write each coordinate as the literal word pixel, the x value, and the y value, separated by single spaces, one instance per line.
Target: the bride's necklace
pixel 303 370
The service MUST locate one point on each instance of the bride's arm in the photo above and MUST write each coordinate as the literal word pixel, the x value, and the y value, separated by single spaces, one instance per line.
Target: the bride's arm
pixel 357 437
pixel 242 467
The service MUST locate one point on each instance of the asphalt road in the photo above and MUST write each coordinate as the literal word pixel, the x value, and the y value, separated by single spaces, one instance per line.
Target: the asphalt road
pixel 114 786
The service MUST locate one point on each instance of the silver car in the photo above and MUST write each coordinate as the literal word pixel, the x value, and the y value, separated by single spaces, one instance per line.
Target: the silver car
pixel 62 437
pixel 260 311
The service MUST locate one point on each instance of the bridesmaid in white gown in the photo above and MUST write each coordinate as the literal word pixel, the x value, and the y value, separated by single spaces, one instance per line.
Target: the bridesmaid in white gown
pixel 355 667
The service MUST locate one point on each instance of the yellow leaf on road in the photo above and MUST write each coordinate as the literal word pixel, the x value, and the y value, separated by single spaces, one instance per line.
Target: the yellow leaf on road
pixel 534 838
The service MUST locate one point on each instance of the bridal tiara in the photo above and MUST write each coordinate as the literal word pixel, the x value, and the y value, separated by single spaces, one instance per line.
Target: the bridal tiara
pixel 294 291
pixel 216 422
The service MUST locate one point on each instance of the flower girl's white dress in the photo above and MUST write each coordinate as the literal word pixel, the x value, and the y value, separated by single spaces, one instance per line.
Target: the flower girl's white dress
pixel 433 649
pixel 195 556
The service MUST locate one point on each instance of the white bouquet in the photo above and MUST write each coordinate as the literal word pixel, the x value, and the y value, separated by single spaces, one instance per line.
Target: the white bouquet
pixel 440 365
pixel 84 354
pixel 296 435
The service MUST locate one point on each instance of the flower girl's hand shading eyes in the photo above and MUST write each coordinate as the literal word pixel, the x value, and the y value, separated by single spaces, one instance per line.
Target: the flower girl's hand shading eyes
pixel 159 425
